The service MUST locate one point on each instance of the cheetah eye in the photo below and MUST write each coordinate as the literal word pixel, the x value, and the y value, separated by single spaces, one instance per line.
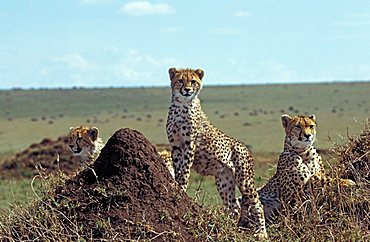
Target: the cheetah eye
pixel 181 81
pixel 193 81
pixel 311 126
pixel 298 127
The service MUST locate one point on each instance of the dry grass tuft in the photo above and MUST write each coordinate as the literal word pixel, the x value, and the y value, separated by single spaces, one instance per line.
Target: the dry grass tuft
pixel 354 157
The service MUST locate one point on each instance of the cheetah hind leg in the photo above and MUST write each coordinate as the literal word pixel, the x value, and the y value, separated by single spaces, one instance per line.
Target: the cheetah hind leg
pixel 225 184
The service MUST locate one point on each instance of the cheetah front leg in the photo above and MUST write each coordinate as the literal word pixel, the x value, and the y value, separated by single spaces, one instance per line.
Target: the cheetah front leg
pixel 225 184
pixel 321 180
pixel 291 194
pixel 292 186
pixel 183 158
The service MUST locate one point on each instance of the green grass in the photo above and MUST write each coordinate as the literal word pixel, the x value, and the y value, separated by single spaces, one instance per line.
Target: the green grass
pixel 249 113
pixel 17 192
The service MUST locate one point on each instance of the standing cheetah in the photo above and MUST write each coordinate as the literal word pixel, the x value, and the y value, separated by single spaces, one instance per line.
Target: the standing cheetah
pixel 196 143
pixel 299 163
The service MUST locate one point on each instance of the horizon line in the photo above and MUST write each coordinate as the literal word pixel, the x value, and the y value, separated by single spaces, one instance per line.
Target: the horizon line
pixel 165 86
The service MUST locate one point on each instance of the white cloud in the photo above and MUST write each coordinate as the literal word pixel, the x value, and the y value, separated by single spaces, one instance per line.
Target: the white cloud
pixel 94 2
pixel 132 75
pixel 110 66
pixel 138 67
pixel 279 71
pixel 354 20
pixel 143 59
pixel 225 31
pixel 268 71
pixel 352 23
pixel 134 56
pixel 242 14
pixel 43 72
pixel 74 61
pixel 364 71
pixel 170 30
pixel 140 8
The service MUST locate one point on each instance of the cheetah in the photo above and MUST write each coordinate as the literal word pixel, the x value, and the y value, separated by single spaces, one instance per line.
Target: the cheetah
pixel 166 156
pixel 196 143
pixel 298 164
pixel 85 143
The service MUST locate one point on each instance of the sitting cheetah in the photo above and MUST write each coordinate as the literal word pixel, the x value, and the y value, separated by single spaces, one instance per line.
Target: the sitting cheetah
pixel 196 143
pixel 85 143
pixel 298 164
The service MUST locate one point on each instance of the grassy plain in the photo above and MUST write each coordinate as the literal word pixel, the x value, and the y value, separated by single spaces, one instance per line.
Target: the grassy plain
pixel 249 113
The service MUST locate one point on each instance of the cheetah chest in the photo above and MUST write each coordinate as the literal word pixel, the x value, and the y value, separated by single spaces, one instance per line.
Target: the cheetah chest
pixel 313 161
pixel 186 127
pixel 313 166
pixel 182 131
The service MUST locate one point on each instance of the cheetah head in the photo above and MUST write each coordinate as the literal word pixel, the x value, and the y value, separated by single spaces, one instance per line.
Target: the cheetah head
pixel 300 130
pixel 82 140
pixel 186 83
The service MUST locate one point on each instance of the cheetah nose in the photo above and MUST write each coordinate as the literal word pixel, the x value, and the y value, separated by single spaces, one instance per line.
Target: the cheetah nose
pixel 187 89
pixel 71 146
pixel 307 136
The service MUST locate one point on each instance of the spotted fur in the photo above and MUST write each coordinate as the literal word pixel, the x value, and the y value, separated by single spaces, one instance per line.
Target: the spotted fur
pixel 85 143
pixel 166 155
pixel 298 164
pixel 196 143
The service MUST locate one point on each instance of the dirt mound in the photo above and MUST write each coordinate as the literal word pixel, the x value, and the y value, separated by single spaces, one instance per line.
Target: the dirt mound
pixel 354 156
pixel 130 189
pixel 44 155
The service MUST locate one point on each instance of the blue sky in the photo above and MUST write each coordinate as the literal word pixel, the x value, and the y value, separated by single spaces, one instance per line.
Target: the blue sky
pixel 90 43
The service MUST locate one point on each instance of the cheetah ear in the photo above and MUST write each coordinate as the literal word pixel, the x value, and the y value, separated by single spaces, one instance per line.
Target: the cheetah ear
pixel 313 117
pixel 70 128
pixel 94 133
pixel 200 73
pixel 172 71
pixel 285 119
